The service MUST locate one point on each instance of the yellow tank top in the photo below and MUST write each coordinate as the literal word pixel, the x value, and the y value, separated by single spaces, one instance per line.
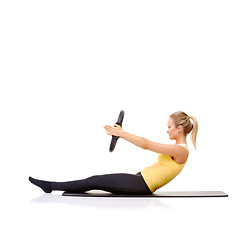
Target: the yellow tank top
pixel 161 172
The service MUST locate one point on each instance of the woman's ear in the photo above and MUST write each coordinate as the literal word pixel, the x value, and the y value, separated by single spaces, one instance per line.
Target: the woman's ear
pixel 180 128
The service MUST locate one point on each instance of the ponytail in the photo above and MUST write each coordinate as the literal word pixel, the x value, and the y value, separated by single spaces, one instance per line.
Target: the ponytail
pixel 194 132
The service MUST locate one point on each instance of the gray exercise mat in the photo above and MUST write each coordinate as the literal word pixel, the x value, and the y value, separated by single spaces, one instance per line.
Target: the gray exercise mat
pixel 155 195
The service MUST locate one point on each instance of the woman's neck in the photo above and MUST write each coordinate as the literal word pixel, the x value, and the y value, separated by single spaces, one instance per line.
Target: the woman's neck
pixel 181 139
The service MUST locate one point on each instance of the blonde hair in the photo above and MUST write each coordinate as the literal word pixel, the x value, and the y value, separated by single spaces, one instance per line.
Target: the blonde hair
pixel 182 119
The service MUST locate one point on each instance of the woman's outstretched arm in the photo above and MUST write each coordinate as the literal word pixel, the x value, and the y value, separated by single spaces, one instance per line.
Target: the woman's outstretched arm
pixel 177 152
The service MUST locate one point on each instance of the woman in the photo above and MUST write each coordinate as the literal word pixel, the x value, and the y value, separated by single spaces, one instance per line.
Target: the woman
pixel 171 160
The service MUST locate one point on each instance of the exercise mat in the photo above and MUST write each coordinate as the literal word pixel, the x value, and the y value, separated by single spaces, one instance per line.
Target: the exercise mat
pixel 158 194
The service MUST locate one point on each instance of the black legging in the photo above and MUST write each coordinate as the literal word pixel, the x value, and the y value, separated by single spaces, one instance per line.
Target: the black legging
pixel 120 183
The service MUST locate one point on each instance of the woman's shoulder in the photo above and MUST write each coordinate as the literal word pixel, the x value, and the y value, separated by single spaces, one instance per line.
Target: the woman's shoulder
pixel 183 156
pixel 183 145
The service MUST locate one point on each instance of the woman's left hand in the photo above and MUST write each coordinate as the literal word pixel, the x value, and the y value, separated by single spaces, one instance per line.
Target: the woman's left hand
pixel 114 131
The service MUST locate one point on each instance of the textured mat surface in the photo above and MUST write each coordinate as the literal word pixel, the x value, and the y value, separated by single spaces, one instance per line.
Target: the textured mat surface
pixel 158 194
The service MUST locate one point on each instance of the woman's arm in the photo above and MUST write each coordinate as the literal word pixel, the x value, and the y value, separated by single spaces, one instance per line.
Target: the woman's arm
pixel 174 151
pixel 177 152
pixel 136 140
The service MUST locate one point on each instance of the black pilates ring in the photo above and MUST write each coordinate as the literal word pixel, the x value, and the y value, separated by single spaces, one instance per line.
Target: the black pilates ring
pixel 115 138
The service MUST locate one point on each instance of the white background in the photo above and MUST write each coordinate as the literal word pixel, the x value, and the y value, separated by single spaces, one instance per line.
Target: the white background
pixel 67 68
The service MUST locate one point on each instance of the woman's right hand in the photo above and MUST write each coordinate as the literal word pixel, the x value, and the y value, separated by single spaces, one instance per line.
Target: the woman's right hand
pixel 114 131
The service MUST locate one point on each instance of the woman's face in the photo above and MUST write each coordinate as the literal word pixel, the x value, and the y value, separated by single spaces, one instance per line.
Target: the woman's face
pixel 172 131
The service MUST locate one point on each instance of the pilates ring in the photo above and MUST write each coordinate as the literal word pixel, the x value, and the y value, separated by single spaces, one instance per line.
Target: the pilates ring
pixel 115 138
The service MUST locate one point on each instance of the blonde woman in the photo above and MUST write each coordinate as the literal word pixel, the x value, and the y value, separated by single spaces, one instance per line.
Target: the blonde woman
pixel 171 160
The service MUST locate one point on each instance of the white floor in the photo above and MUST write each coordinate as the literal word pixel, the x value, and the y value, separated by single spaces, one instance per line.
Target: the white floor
pixel 51 216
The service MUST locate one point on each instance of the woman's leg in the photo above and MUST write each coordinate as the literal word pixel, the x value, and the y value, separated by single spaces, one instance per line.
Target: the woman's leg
pixel 120 183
